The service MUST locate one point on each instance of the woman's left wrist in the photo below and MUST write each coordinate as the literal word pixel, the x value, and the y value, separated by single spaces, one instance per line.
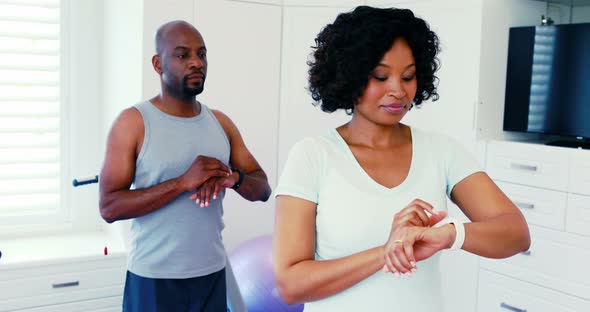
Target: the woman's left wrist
pixel 452 234
pixel 456 234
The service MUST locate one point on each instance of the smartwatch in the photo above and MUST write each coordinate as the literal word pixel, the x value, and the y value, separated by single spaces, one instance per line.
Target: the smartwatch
pixel 240 178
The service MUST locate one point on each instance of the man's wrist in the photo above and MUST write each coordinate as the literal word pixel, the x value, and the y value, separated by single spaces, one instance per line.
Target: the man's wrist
pixel 181 184
pixel 240 178
pixel 235 177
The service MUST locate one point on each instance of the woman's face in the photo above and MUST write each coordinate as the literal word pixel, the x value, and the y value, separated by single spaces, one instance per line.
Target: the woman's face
pixel 391 87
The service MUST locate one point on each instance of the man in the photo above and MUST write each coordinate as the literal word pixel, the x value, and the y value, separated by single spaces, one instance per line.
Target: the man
pixel 180 157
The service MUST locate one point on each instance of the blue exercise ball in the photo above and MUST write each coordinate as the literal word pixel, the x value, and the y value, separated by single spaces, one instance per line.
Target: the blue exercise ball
pixel 252 265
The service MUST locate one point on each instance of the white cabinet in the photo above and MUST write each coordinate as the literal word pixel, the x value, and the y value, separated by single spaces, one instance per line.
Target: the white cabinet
pixel 62 273
pixel 108 304
pixel 553 274
pixel 529 164
pixel 539 206
pixel 580 173
pixel 578 217
pixel 498 293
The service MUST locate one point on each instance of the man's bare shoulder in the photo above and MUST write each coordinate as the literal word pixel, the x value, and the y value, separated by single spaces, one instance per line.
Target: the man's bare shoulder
pixel 130 115
pixel 224 120
pixel 220 115
pixel 128 123
pixel 129 119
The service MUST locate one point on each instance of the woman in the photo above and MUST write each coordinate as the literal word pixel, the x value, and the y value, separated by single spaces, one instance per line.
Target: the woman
pixel 371 194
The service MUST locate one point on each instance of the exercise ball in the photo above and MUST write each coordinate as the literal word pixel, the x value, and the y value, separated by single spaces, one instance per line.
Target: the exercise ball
pixel 252 265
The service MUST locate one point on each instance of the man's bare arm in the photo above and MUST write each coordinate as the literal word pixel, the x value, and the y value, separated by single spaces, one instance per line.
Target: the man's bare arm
pixel 117 201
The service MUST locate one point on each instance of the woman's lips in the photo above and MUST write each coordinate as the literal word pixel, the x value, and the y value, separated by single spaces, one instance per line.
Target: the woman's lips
pixel 395 108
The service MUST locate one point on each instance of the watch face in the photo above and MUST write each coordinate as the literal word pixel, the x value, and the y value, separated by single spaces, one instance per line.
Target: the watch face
pixel 240 178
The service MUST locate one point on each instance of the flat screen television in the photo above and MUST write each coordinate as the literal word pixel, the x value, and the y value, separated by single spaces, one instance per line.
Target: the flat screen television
pixel 548 81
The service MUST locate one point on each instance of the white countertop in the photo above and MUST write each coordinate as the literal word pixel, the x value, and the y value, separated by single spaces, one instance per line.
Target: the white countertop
pixel 61 248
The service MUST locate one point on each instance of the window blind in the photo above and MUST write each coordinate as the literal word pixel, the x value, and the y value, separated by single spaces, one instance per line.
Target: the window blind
pixel 30 107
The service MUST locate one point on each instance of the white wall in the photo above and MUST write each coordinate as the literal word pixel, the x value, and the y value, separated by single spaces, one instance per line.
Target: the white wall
pixel 156 13
pixel 122 59
pixel 298 118
pixel 560 13
pixel 453 113
pixel 83 96
pixel 337 4
pixel 244 51
pixel 581 14
pixel 498 17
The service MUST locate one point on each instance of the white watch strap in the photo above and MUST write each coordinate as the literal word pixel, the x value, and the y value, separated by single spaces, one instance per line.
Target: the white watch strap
pixel 459 229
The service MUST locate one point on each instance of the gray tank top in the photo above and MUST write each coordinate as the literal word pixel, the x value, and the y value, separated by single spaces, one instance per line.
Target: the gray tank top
pixel 179 240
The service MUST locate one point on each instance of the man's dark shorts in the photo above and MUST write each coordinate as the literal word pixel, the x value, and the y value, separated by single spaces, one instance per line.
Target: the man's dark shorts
pixel 198 294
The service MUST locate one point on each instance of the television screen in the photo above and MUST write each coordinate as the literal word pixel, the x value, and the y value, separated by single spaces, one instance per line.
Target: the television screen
pixel 548 80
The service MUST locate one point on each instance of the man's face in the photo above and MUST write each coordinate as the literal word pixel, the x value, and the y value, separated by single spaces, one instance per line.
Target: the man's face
pixel 184 61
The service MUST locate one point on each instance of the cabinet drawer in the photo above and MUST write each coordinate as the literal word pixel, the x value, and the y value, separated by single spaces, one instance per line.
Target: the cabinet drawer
pixel 497 293
pixel 529 164
pixel 58 299
pixel 62 283
pixel 95 305
pixel 578 214
pixel 62 267
pixel 580 172
pixel 539 206
pixel 556 260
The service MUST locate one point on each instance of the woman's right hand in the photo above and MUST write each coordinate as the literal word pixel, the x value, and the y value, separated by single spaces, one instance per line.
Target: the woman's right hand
pixel 408 224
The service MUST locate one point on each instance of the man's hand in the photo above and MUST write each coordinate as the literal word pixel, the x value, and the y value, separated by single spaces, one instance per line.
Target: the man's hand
pixel 202 169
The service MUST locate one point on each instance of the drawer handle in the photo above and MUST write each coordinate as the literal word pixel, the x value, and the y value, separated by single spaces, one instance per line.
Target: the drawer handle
pixel 511 308
pixel 524 205
pixel 69 284
pixel 523 167
pixel 526 253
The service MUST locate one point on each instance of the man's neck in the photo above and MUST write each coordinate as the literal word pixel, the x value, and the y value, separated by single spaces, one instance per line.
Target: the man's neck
pixel 180 107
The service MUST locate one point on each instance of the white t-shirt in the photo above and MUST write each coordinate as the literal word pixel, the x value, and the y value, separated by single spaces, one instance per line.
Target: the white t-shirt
pixel 354 213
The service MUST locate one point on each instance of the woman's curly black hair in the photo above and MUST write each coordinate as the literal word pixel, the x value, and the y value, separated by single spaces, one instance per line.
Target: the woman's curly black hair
pixel 349 49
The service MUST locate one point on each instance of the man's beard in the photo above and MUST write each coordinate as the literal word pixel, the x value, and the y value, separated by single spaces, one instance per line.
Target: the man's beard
pixel 192 91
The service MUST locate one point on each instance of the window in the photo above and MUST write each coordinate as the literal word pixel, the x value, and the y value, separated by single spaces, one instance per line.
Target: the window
pixel 31 106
